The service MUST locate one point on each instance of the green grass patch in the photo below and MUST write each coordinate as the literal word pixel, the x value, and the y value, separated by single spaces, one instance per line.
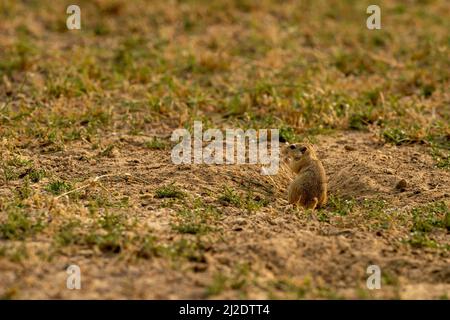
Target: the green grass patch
pixel 196 221
pixel 396 136
pixel 434 215
pixel 230 197
pixel 148 247
pixel 340 206
pixel 156 144
pixel 169 191
pixel 19 225
pixel 250 202
pixel 107 233
pixel 58 187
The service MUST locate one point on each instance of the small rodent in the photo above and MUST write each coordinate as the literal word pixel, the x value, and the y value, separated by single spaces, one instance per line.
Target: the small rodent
pixel 309 187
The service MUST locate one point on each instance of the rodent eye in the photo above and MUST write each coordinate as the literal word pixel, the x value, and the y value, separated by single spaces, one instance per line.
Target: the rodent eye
pixel 292 146
pixel 303 149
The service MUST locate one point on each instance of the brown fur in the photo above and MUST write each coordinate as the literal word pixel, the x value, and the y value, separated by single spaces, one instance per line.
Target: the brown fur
pixel 309 188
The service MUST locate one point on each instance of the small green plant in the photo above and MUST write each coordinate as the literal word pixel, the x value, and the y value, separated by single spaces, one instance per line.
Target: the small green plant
pixel 421 240
pixel 19 225
pixel 396 136
pixel 24 191
pixel 108 151
pixel 359 121
pixel 240 276
pixel 148 248
pixel 218 285
pixel 36 175
pixel 169 191
pixel 191 228
pixel 58 186
pixel 106 243
pixel 447 221
pixel 193 251
pixel 254 202
pixel 156 144
pixel 229 196
pixel 103 200
pixel 68 233
pixel 18 254
pixel 9 174
pixel 389 279
pixel 18 162
pixel 108 235
pixel 373 207
pixel 250 202
pixel 433 215
pixel 442 157
pixel 287 134
pixel 323 216
pixel 341 206
pixel 193 222
pixel 296 291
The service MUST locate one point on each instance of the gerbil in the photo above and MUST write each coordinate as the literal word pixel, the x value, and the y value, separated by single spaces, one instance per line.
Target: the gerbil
pixel 309 188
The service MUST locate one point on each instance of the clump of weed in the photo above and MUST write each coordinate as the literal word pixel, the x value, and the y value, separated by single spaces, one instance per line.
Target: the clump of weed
pixel 156 144
pixel 148 247
pixel 18 162
pixel 58 186
pixel 109 234
pixel 217 285
pixel 14 168
pixel 442 158
pixel 108 151
pixel 294 290
pixel 359 121
pixel 287 134
pixel 68 233
pixel 250 201
pixel 357 63
pixel 426 218
pixel 396 136
pixel 191 227
pixel 236 280
pixel 19 225
pixel 20 57
pixel 169 191
pixel 340 206
pixel 15 253
pixel 421 240
pixel 104 200
pixel 254 202
pixel 9 174
pixel 191 250
pixel 196 221
pixel 24 191
pixel 36 175
pixel 323 216
pixel 230 197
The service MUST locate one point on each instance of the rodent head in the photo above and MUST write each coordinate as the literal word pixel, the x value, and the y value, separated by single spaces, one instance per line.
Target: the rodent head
pixel 299 155
pixel 299 150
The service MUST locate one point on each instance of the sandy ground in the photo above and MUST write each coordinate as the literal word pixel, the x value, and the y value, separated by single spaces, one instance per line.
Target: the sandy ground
pixel 287 252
